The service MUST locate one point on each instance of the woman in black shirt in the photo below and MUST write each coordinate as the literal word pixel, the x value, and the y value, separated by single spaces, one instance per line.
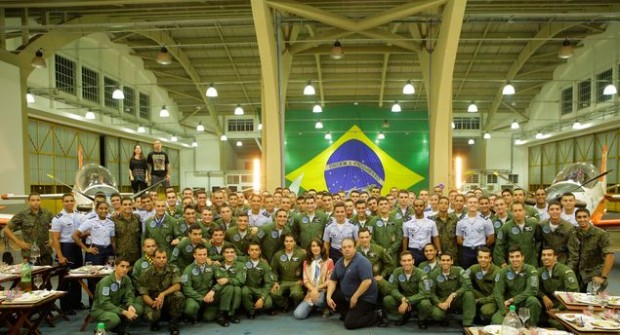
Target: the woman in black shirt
pixel 137 169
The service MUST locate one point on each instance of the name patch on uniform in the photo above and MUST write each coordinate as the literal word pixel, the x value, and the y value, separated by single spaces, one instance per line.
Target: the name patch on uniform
pixel 304 220
pixel 527 228
pixel 500 235
pixel 237 237
pixel 398 216
pixel 184 278
pixel 152 224
pixel 497 224
pixel 427 269
pixel 441 278
pixel 175 252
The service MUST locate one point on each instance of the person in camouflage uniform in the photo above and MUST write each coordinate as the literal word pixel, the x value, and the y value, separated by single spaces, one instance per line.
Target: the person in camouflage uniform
pixel 160 288
pixel 183 253
pixel 259 280
pixel 446 226
pixel 555 232
pixel 286 266
pixel 554 276
pixel 516 284
pixel 382 265
pixel 591 254
pixel 160 227
pixel 115 302
pixel 451 289
pixel 34 222
pixel 482 277
pixel 410 290
pixel 128 232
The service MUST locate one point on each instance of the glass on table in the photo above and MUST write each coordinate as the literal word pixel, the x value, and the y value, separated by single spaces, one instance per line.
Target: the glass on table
pixel 38 281
pixel 524 315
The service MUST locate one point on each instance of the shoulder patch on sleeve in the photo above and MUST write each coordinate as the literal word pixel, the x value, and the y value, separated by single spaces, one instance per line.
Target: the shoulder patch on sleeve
pixel 105 291
pixel 497 277
pixel 58 215
pixel 184 279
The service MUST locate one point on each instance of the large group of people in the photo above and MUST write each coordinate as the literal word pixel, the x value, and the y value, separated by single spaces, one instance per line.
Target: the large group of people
pixel 215 257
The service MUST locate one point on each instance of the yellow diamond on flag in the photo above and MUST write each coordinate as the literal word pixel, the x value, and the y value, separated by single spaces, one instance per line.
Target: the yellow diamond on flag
pixel 353 162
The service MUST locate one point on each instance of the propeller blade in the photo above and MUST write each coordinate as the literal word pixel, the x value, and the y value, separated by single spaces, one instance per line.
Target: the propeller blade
pixel 69 186
pixel 147 189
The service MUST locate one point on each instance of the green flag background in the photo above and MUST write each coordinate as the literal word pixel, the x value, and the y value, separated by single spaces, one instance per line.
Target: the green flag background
pixel 355 158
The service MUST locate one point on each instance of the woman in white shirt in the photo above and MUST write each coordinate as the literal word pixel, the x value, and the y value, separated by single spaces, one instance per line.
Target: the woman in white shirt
pixel 317 269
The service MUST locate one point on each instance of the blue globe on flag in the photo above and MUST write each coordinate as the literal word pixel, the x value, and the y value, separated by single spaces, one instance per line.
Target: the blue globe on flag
pixel 353 165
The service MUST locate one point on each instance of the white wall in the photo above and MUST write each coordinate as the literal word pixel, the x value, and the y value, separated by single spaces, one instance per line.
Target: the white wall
pixel 12 169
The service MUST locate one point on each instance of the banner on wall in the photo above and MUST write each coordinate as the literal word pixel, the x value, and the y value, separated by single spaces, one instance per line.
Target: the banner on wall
pixel 354 160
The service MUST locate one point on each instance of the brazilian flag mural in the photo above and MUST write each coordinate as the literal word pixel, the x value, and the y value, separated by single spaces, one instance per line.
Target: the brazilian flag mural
pixel 355 157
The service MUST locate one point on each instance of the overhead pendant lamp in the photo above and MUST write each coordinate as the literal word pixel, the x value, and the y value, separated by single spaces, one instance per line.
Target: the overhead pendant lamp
pixel 577 125
pixel 396 107
pixel 487 136
pixel 164 57
pixel 173 138
pixel 90 115
pixel 223 137
pixel 567 50
pixel 211 91
pixel 408 89
pixel 337 51
pixel 328 136
pixel 610 89
pixel 163 112
pixel 309 89
pixel 30 97
pixel 514 125
pixel 200 127
pixel 381 136
pixel 141 129
pixel 472 108
pixel 318 125
pixel 194 143
pixel 317 109
pixel 38 61
pixel 118 94
pixel 508 89
pixel 471 141
pixel 239 143
pixel 239 110
pixel 540 135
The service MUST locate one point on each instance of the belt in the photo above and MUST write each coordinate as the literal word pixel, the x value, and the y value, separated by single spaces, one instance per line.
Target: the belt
pixel 100 246
pixel 474 248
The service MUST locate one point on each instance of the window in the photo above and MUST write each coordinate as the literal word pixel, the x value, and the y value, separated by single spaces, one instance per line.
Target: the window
pixel 603 79
pixel 65 74
pixel 567 101
pixel 129 103
pixel 473 178
pixel 466 123
pixel 240 124
pixel 491 178
pixel 109 85
pixel 584 90
pixel 145 106
pixel 90 85
pixel 514 178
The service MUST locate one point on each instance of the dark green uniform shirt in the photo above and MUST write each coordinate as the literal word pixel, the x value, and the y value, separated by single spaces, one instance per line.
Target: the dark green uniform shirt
pixel 561 278
pixel 128 233
pixel 35 228
pixel 287 268
pixel 387 234
pixel 139 266
pixel 518 286
pixel 483 283
pixel 183 253
pixel 236 274
pixel 305 229
pixel 511 235
pixel 270 240
pixel 112 296
pixel 415 288
pixel 162 231
pixel 198 280
pixel 153 281
pixel 557 239
pixel 240 242
pixel 457 281
pixel 380 259
pixel 447 234
pixel 259 276
pixel 587 252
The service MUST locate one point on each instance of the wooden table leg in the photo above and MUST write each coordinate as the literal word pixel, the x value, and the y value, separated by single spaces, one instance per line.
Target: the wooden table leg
pixel 23 316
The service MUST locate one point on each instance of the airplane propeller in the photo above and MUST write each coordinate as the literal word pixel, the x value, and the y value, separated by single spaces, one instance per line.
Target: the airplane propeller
pixel 70 187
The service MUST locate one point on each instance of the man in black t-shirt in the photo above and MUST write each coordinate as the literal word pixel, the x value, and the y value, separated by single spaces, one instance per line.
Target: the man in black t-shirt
pixel 159 166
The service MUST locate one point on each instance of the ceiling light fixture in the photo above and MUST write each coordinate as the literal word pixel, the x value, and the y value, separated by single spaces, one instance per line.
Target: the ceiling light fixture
pixel 576 125
pixel 566 50
pixel 118 94
pixel 223 137
pixel 200 127
pixel 29 97
pixel 317 109
pixel 328 136
pixel 260 126
pixel 408 89
pixel 471 141
pixel 309 89
pixel 239 143
pixel 487 136
pixel 38 61
pixel 508 89
pixel 239 110
pixel 337 51
pixel 164 57
pixel 519 141
pixel 385 124
pixel 141 129
pixel 173 138
pixel 514 125
pixel 396 107
pixel 610 89
pixel 318 125
pixel 472 108
pixel 194 143
pixel 540 135
pixel 453 125
pixel 211 91
pixel 163 112
pixel 90 115
pixel 381 136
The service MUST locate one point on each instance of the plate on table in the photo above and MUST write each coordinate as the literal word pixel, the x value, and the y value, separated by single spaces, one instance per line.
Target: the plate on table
pixel 542 331
pixel 586 298
pixel 572 318
pixel 493 329
pixel 605 324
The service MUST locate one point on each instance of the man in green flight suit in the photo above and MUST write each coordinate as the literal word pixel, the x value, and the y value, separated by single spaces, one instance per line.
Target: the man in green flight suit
pixel 482 277
pixel 115 303
pixel 240 236
pixel 230 275
pixel 379 258
pixel 387 230
pixel 183 253
pixel 555 232
pixel 160 227
pixel 309 225
pixel 160 288
pixel 270 236
pixel 410 289
pixel 554 276
pixel 516 284
pixel 286 266
pixel 451 290
pixel 521 231
pixel 259 280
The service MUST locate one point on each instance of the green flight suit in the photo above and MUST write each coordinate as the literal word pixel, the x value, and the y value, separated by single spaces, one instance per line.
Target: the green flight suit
pixel 128 233
pixel 511 235
pixel 416 289
pixel 562 278
pixel 231 291
pixel 426 266
pixel 152 282
pixel 180 229
pixel 397 213
pixel 305 229
pixel 447 234
pixel 287 271
pixel 586 254
pixel 111 299
pixel 162 233
pixel 456 282
pixel 207 228
pixel 224 225
pixel 558 239
pixel 382 265
pixel 270 240
pixel 258 283
pixel 482 286
pixel 241 243
pixel 531 213
pixel 183 253
pixel 197 282
pixel 387 234
pixel 497 222
pixel 139 266
pixel 216 253
pixel 35 229
pixel 521 287
pixel 177 213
